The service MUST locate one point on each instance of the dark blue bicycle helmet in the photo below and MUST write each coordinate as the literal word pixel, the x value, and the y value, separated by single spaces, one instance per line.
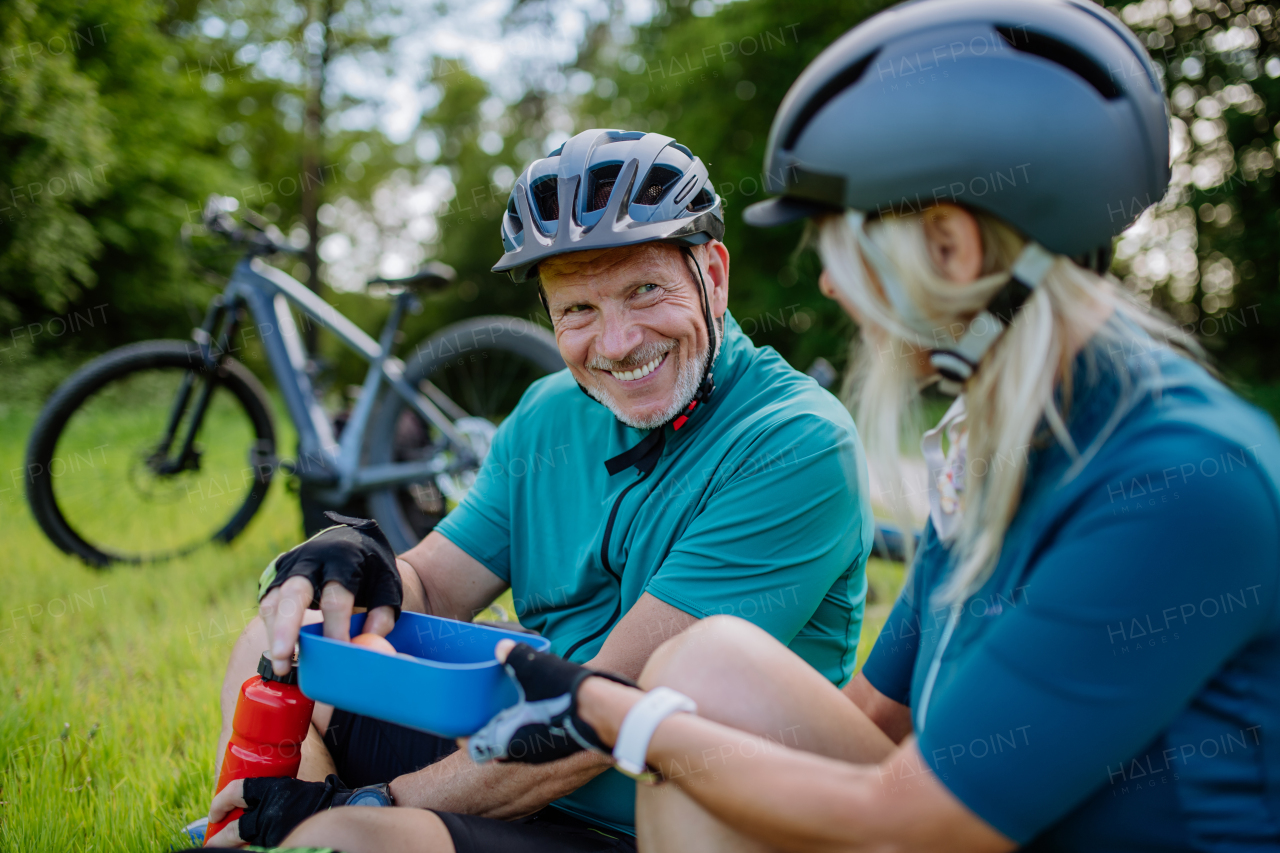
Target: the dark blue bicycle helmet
pixel 603 189
pixel 1045 113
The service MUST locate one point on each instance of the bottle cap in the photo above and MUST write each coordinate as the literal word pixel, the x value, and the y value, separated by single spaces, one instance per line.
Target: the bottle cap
pixel 268 674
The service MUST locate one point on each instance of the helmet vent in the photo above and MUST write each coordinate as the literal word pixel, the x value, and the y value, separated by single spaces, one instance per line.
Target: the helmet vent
pixel 516 225
pixel 701 201
pixel 600 186
pixel 655 185
pixel 1060 53
pixel 546 195
pixel 833 87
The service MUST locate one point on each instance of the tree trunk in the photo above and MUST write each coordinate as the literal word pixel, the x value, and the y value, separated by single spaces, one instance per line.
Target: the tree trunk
pixel 313 155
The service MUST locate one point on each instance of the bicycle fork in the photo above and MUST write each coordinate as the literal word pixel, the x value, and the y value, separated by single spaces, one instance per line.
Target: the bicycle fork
pixel 221 318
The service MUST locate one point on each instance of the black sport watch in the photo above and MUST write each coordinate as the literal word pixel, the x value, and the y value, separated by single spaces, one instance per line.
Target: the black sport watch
pixel 372 795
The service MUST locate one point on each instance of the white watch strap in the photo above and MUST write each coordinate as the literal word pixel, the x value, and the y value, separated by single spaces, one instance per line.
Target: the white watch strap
pixel 641 722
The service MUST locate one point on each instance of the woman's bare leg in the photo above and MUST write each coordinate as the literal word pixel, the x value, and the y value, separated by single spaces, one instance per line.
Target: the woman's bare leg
pixel 741 676
pixel 360 829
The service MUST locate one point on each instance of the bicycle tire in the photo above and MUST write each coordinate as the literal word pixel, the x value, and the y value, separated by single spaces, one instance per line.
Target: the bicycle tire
pixel 81 386
pixel 511 335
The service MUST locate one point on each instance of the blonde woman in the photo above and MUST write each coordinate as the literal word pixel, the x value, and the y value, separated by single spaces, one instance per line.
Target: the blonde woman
pixel 1086 655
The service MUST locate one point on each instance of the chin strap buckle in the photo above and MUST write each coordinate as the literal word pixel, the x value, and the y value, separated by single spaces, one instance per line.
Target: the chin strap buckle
pixel 684 419
pixel 703 395
pixel 959 362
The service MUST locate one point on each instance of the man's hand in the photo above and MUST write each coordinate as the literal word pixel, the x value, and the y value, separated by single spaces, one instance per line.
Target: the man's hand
pixel 272 808
pixel 226 801
pixel 353 565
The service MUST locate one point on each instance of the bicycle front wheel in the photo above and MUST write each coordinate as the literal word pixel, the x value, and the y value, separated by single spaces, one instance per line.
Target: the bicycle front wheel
pixel 107 478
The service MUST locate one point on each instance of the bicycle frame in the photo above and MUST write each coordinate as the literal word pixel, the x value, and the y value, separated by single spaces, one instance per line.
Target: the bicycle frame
pixel 325 461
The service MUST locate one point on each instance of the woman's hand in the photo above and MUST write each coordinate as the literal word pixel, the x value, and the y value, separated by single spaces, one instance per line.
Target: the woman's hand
pixel 544 725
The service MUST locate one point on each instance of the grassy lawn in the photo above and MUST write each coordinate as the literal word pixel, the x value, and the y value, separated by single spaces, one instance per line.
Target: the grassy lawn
pixel 110 678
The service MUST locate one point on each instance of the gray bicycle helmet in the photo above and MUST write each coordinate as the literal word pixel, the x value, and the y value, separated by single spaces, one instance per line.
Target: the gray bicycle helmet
pixel 1045 113
pixel 608 188
pixel 603 189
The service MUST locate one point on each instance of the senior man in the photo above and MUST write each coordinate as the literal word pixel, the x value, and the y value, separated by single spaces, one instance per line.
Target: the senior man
pixel 713 479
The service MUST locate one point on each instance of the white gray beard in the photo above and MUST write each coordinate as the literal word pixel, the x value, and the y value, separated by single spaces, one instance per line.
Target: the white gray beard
pixel 687 382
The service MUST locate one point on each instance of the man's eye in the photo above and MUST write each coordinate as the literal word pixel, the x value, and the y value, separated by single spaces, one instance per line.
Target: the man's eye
pixel 646 288
pixel 576 309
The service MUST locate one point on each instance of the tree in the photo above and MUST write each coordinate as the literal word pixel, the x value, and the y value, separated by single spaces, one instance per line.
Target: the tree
pixel 712 77
pixel 1210 253
pixel 711 74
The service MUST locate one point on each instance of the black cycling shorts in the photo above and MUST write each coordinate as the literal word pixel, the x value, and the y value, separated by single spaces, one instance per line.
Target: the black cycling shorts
pixel 368 752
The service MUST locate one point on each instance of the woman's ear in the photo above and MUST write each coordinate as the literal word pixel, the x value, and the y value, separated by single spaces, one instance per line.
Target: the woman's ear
pixel 955 242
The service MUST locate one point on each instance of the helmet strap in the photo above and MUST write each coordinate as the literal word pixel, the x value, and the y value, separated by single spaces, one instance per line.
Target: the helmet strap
pixel 957 363
pixel 708 383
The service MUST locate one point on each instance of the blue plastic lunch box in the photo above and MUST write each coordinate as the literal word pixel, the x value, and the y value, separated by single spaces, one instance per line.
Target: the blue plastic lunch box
pixel 444 680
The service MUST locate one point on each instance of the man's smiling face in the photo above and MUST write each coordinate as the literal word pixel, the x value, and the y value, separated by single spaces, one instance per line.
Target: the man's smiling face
pixel 630 326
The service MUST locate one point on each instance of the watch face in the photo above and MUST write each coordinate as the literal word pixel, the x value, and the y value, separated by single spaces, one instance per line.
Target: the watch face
pixel 368 797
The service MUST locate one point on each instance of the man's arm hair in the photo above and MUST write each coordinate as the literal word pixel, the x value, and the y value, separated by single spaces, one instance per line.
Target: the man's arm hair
pixel 647 625
pixel 443 580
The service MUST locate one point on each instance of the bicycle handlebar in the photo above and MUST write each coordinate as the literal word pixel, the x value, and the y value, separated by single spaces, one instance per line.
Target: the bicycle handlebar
pixel 259 239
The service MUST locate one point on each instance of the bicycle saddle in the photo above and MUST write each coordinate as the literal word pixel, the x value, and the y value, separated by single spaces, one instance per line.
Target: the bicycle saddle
pixel 433 275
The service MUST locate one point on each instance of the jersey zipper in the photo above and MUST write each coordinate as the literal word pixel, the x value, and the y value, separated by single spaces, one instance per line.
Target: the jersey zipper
pixel 604 560
pixel 645 459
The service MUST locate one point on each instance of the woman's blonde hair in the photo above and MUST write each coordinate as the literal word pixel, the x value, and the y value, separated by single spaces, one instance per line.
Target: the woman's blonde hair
pixel 1017 389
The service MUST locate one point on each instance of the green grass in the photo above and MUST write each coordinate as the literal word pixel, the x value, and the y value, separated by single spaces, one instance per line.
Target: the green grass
pixel 109 679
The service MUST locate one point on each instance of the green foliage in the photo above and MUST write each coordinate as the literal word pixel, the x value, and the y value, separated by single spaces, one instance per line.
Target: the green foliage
pixel 1221 64
pixel 469 222
pixel 97 94
pixel 55 149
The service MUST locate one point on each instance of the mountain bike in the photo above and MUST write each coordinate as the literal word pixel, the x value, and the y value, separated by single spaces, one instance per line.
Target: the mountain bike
pixel 155 449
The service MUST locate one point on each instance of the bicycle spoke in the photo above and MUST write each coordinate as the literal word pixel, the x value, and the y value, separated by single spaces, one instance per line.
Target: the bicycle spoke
pixel 121 491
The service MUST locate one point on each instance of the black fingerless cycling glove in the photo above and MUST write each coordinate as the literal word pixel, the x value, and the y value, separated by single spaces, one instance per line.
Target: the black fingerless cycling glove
pixel 277 805
pixel 544 725
pixel 355 553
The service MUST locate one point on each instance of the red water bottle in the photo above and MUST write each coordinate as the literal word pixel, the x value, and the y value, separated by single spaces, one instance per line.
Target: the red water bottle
pixel 271 721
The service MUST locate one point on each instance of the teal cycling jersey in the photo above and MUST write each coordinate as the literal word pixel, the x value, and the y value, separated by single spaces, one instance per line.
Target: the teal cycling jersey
pixel 757 507
pixel 1115 683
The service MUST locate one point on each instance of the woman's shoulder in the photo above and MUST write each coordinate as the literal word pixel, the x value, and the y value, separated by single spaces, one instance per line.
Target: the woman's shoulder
pixel 1173 424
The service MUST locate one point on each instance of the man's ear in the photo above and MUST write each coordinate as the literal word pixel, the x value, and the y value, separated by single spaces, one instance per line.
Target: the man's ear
pixel 542 297
pixel 955 242
pixel 715 268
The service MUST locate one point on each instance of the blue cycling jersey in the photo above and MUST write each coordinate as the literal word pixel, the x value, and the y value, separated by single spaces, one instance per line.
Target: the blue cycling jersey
pixel 1115 684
